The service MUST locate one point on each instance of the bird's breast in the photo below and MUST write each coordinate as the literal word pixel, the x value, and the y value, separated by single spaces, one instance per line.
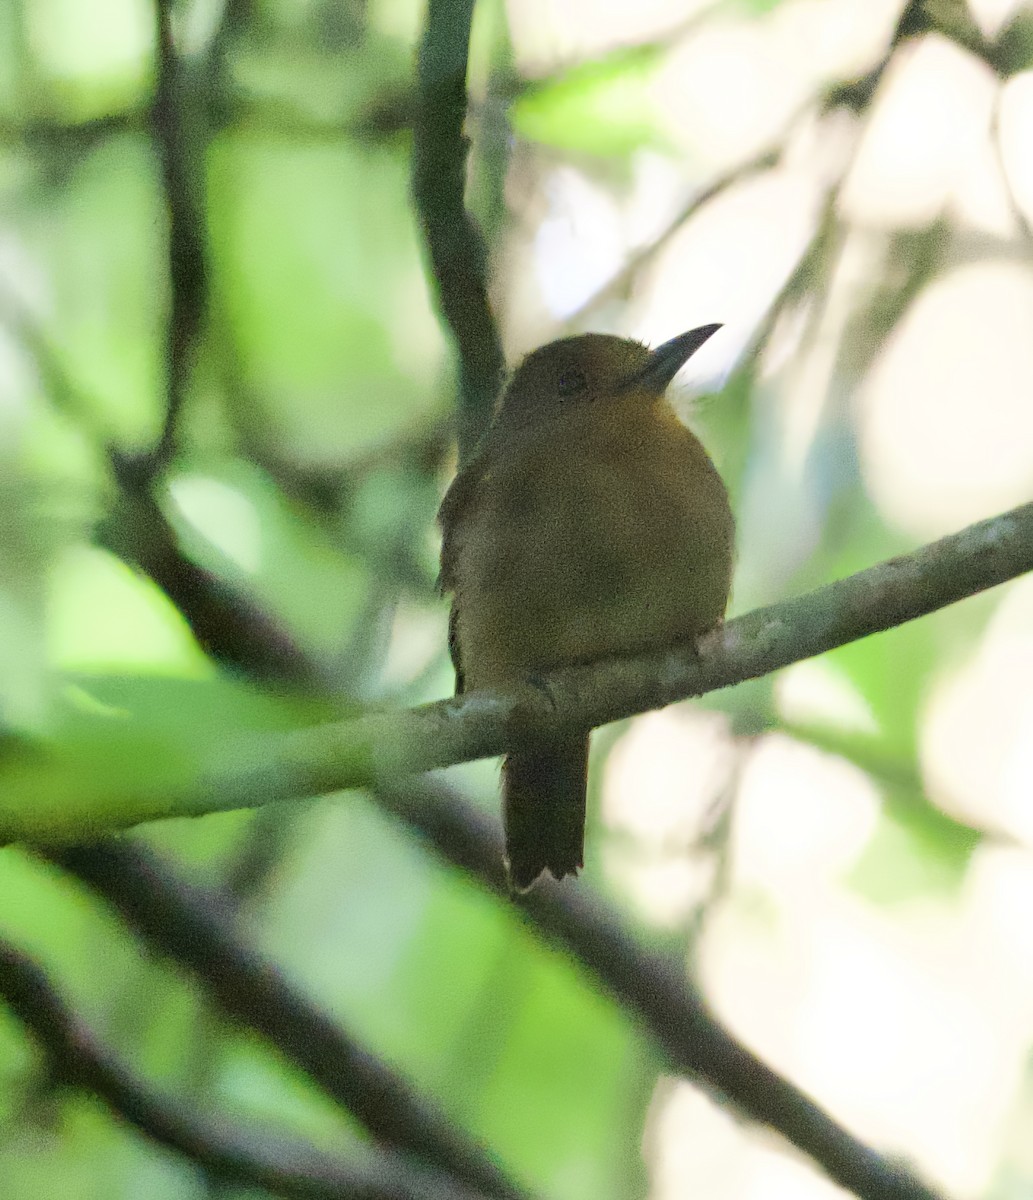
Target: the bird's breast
pixel 614 538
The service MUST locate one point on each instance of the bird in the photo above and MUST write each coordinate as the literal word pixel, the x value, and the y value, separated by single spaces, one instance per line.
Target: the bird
pixel 588 523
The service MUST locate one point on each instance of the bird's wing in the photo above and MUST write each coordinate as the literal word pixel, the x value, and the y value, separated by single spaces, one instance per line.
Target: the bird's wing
pixel 450 518
pixel 451 515
pixel 453 647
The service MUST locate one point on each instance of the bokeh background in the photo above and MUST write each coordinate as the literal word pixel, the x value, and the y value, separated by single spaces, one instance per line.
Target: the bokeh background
pixel 843 853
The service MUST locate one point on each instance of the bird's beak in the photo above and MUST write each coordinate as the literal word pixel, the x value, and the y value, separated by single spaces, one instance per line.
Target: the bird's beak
pixel 667 360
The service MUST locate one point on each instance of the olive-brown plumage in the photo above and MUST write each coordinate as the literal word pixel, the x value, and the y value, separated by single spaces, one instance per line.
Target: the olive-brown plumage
pixel 589 523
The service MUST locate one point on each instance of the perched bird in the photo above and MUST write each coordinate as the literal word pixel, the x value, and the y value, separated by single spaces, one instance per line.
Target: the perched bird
pixel 590 522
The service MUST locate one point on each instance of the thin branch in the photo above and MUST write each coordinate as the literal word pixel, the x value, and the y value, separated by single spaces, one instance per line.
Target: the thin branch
pixel 66 138
pixel 454 243
pixel 187 275
pixel 64 797
pixel 193 928
pixel 226 622
pixel 655 988
pixel 388 113
pixel 625 274
pixel 285 1167
pixel 857 94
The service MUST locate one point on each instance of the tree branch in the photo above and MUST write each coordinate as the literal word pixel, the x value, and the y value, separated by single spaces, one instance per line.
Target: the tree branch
pixel 454 244
pixel 654 987
pixel 226 622
pixel 65 797
pixel 282 1166
pixel 188 284
pixel 193 928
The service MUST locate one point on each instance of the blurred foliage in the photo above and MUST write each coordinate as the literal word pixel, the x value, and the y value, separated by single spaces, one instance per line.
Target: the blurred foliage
pixel 600 108
pixel 312 450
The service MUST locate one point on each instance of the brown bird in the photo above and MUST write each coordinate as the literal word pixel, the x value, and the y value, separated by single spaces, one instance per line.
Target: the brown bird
pixel 589 523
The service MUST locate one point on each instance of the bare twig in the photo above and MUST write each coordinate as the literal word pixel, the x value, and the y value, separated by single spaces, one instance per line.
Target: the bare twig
pixel 454 243
pixel 287 1168
pixel 193 928
pixel 624 276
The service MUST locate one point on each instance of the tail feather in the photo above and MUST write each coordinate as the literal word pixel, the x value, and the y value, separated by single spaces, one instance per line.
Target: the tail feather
pixel 543 807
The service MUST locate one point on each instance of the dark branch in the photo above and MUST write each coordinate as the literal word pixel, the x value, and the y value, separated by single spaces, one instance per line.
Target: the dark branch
pixel 226 622
pixel 287 1168
pixel 193 928
pixel 186 252
pixel 655 988
pixel 454 243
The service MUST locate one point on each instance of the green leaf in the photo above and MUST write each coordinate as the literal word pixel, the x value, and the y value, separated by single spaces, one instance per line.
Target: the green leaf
pixel 316 270
pixel 756 8
pixel 121 742
pixel 603 108
pixel 917 847
pixel 916 850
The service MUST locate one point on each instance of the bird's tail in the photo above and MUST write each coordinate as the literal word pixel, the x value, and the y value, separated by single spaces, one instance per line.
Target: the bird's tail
pixel 543 809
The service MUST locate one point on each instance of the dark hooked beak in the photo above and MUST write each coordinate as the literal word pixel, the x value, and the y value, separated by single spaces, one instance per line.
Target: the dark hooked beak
pixel 667 360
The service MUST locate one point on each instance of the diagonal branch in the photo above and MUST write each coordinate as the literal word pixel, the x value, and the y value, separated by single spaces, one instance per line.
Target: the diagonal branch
pixel 63 797
pixel 622 278
pixel 226 622
pixel 655 988
pixel 284 1167
pixel 193 928
pixel 454 243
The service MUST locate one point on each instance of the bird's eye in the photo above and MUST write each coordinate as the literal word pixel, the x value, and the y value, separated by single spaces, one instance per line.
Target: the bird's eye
pixel 571 382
